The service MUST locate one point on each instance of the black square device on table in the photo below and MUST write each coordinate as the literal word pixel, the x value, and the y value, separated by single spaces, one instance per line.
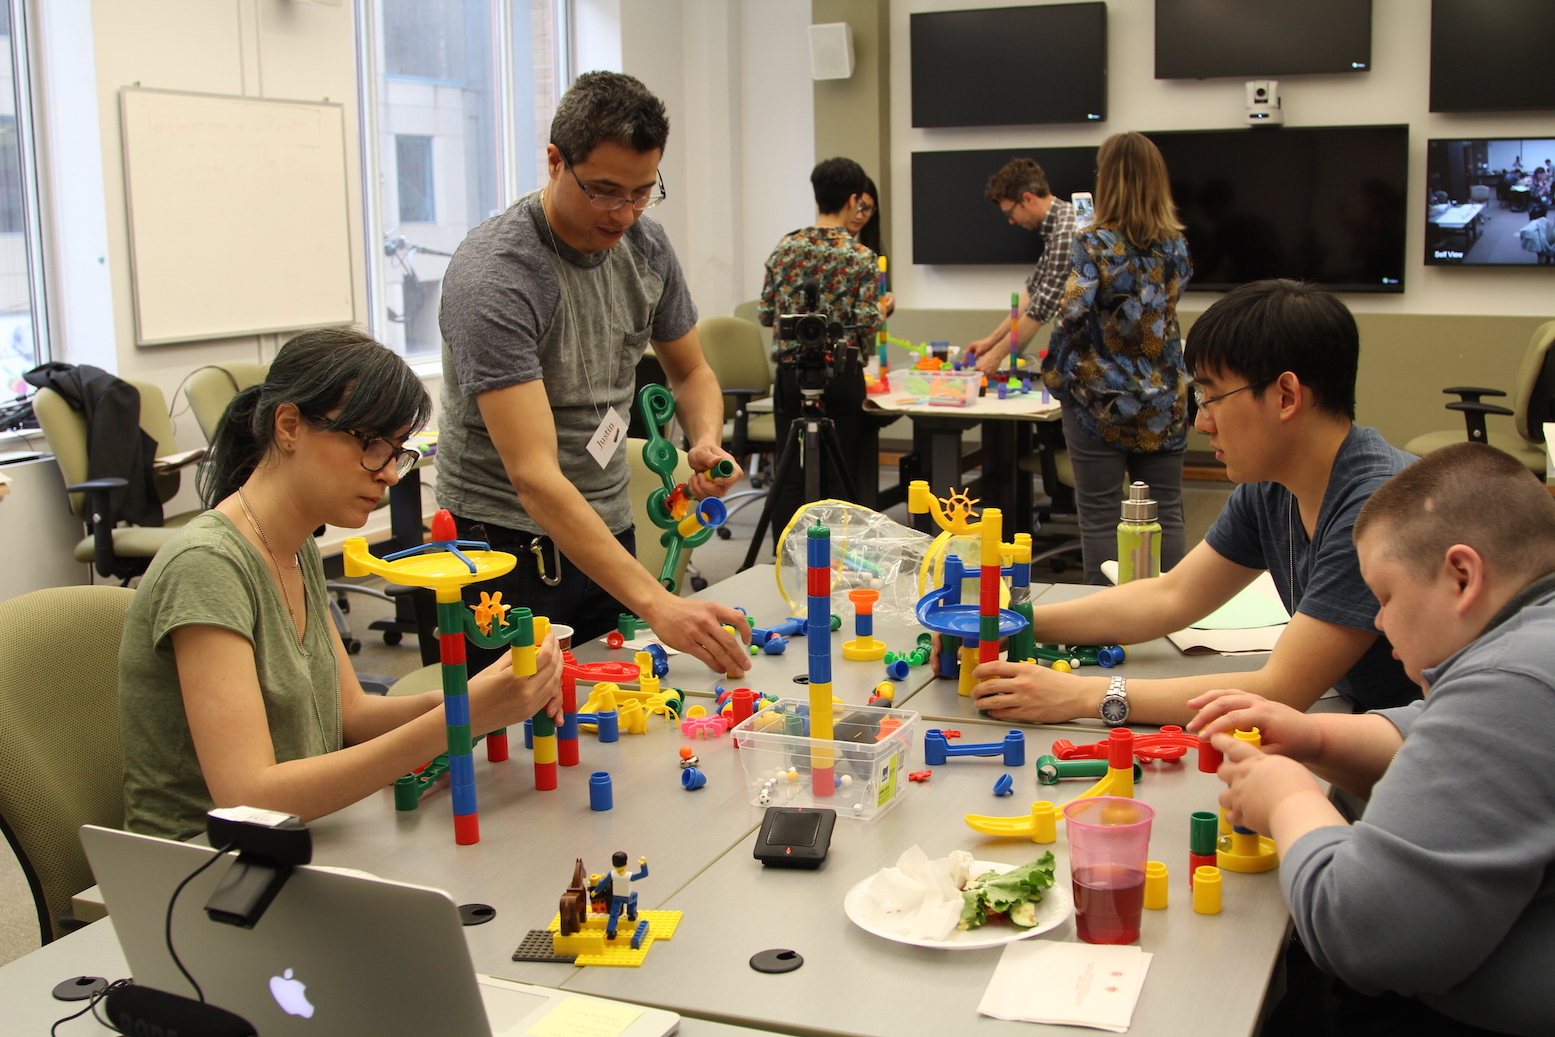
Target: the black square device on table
pixel 795 837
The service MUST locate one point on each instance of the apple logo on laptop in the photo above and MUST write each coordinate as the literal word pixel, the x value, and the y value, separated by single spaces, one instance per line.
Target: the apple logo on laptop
pixel 290 995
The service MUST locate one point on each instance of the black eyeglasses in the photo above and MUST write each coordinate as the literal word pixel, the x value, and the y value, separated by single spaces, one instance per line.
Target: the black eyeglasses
pixel 378 453
pixel 1203 401
pixel 611 202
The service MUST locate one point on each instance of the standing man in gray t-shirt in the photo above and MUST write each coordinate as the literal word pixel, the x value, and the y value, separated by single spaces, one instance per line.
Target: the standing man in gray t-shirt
pixel 547 308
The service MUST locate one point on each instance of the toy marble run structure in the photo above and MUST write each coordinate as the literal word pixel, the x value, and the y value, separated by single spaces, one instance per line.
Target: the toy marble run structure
pixel 880 382
pixel 1041 824
pixel 446 566
pixel 970 633
pixel 687 522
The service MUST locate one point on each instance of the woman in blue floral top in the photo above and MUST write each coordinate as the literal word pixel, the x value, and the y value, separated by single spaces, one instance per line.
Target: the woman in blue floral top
pixel 1115 359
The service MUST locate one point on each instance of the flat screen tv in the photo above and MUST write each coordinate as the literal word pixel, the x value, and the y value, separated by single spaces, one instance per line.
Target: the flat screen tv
pixel 1006 66
pixel 1251 39
pixel 1487 203
pixel 954 224
pixel 1492 55
pixel 1320 204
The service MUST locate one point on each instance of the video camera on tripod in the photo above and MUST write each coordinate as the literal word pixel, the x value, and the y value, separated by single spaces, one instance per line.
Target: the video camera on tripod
pixel 822 346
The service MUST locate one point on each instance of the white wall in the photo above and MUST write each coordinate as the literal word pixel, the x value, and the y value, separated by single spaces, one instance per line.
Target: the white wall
pixel 1395 91
pixel 735 77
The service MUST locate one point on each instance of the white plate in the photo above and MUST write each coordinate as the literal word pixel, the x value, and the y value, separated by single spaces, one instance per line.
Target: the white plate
pixel 1057 904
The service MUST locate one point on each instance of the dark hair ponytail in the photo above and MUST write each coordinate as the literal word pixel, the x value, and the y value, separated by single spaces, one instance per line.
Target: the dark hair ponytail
pixel 318 371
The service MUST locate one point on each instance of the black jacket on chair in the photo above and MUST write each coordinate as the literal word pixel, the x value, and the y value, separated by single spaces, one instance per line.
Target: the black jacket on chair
pixel 116 444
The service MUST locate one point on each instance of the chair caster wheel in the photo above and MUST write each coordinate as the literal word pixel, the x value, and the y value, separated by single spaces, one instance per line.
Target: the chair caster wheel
pixel 353 646
pixel 344 603
pixel 392 637
pixel 723 534
pixel 698 583
pixel 1058 565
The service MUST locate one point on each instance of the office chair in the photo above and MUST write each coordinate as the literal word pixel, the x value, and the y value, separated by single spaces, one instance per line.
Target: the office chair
pixel 60 766
pixel 209 390
pixel 1056 541
pixel 125 550
pixel 1533 405
pixel 737 352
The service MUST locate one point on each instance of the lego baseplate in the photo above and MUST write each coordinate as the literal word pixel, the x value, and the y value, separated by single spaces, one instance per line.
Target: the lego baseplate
pixel 538 945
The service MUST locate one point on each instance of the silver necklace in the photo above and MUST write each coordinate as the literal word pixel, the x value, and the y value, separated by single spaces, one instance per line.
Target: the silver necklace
pixel 286 596
pixel 279 576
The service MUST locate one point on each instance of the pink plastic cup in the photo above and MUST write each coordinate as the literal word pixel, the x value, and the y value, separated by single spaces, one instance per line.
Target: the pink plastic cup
pixel 1109 842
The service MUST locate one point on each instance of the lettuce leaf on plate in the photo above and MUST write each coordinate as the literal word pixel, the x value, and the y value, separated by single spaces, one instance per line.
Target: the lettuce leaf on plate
pixel 993 891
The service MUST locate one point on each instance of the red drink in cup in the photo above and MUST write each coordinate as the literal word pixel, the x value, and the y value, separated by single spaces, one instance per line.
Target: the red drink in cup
pixel 1109 841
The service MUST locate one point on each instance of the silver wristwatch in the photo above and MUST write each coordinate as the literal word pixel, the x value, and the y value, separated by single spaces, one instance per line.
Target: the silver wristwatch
pixel 1114 704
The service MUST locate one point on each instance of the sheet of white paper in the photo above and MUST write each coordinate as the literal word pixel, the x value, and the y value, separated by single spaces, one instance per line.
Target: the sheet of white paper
pixel 1068 984
pixel 1022 404
pixel 1226 642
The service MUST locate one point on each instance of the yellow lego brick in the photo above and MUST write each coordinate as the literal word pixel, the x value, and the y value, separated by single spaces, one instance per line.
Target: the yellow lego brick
pixel 617 952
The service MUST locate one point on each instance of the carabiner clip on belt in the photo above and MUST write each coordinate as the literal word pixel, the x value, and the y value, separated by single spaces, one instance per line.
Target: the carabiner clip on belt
pixel 537 548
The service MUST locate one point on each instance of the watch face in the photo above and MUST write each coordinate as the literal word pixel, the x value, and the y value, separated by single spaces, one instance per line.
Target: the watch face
pixel 1114 709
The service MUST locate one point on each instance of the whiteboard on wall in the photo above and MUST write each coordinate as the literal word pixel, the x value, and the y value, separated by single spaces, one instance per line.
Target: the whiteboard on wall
pixel 238 214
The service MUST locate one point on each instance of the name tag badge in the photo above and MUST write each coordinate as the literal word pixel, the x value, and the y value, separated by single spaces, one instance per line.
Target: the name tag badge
pixel 607 439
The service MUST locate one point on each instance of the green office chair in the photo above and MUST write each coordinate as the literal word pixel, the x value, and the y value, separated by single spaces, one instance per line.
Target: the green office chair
pixel 1533 405
pixel 66 433
pixel 736 350
pixel 212 387
pixel 60 766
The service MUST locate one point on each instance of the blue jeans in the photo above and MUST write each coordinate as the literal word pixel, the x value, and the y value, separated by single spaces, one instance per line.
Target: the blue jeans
pixel 1099 491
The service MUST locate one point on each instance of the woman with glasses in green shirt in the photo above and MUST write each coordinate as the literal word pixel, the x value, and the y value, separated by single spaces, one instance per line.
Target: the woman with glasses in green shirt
pixel 235 687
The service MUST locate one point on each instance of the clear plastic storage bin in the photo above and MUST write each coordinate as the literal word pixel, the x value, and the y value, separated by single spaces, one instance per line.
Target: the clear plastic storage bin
pixel 870 768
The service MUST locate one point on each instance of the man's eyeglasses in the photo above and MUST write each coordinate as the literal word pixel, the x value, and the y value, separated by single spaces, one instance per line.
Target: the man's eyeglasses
pixel 1203 401
pixel 611 202
pixel 378 453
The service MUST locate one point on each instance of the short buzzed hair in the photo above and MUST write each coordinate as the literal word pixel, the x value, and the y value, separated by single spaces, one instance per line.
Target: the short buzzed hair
pixel 601 106
pixel 1471 494
pixel 1018 177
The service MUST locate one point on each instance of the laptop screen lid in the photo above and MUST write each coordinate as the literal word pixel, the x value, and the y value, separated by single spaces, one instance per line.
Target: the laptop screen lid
pixel 343 953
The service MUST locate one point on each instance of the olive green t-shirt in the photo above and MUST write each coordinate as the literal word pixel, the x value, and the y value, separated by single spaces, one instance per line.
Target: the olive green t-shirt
pixel 211 575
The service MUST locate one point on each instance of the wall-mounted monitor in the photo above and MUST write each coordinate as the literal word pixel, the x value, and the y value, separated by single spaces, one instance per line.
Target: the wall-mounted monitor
pixel 1492 55
pixel 1320 204
pixel 954 224
pixel 1007 66
pixel 1488 201
pixel 1254 39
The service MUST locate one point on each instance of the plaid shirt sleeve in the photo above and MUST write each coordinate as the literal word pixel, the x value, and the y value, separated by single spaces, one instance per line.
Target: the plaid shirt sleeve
pixel 1045 286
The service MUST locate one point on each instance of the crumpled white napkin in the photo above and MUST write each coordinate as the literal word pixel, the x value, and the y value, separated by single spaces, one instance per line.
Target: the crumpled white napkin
pixel 1068 984
pixel 919 898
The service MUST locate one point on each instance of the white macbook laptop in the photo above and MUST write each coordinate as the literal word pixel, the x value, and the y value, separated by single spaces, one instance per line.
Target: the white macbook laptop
pixel 333 954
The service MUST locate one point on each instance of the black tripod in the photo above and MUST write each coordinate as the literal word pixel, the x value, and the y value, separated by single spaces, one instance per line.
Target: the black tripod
pixel 818 432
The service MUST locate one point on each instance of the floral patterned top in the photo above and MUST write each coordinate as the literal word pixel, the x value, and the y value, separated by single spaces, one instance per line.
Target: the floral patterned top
pixel 1116 350
pixel 847 273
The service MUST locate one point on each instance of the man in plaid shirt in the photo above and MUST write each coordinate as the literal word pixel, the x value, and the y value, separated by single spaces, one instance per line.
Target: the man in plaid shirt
pixel 1021 192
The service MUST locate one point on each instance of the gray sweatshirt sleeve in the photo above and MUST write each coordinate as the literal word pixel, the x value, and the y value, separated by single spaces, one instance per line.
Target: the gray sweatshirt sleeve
pixel 1430 886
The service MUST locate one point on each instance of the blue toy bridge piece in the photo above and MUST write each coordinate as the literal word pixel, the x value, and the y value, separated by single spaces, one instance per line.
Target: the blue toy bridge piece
pixel 936 748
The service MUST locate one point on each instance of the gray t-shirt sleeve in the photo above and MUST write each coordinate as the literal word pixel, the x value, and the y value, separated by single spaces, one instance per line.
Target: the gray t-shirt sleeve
pixel 1234 534
pixel 676 314
pixel 497 304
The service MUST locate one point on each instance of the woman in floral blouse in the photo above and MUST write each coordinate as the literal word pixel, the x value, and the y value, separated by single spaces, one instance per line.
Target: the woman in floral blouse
pixel 1115 359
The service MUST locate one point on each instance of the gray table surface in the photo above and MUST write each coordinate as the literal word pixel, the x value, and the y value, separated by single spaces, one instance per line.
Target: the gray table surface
pixel 938 699
pixel 29 1009
pixel 1208 975
pixel 1210 970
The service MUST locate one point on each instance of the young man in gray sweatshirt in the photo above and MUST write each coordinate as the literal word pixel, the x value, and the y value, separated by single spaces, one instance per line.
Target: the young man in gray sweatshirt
pixel 1435 910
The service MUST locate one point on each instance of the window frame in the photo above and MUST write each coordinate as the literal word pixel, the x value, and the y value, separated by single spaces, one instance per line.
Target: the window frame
pixel 367 96
pixel 22 43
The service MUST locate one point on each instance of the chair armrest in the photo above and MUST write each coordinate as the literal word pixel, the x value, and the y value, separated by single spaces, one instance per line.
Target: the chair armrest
pixel 1474 416
pixel 1472 393
pixel 742 398
pixel 100 519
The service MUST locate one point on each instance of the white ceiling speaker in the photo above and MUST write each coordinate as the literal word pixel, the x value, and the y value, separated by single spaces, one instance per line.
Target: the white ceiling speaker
pixel 831 51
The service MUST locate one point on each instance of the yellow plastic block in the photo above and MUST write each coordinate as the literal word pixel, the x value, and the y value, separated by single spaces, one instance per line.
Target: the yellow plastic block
pixel 1206 890
pixel 1155 885
pixel 578 943
pixel 863 650
pixel 617 952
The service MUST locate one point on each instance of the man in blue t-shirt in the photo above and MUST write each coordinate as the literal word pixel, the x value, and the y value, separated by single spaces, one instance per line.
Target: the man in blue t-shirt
pixel 1274 366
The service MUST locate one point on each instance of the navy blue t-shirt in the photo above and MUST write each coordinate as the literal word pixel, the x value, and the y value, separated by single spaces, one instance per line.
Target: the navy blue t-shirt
pixel 1261 528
